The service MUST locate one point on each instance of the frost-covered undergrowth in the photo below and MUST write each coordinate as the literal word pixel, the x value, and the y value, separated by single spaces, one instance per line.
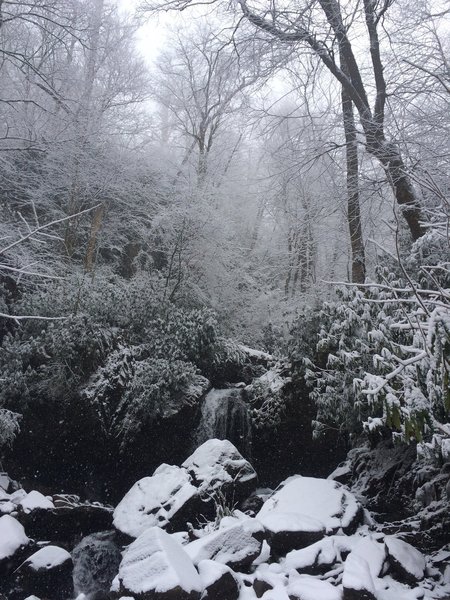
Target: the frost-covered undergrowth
pixel 187 533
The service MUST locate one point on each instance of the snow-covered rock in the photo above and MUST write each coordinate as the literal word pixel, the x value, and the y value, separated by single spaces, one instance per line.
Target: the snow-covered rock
pixel 305 587
pixel 319 557
pixel 266 579
pixel 35 499
pixel 96 561
pixel 373 552
pixel 308 507
pixel 12 542
pixel 7 484
pixel 47 558
pixel 218 581
pixel 166 499
pixel 47 573
pixel 156 567
pixel 236 546
pixel 286 531
pixel 406 562
pixel 357 580
pixel 217 466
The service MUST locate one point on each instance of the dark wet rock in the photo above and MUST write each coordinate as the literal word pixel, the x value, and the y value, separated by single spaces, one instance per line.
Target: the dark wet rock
pixel 96 562
pixel 66 524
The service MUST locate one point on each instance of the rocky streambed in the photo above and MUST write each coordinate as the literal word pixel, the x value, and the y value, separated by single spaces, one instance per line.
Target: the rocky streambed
pixel 205 530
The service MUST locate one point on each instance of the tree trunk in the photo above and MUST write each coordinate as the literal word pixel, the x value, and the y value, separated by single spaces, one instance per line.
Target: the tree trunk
pixel 353 208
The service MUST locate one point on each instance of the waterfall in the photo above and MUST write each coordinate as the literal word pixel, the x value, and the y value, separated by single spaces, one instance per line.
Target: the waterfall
pixel 225 416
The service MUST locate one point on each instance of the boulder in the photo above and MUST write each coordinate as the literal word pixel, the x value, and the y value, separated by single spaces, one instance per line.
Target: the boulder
pixel 303 509
pixel 34 500
pixel 47 573
pixel 357 580
pixel 218 581
pixel 7 484
pixel 289 531
pixel 65 524
pixel 236 545
pixel 305 587
pixel 320 557
pixel 167 499
pixel 96 561
pixel 407 563
pixel 265 580
pixel 13 542
pixel 156 567
pixel 218 468
pixel 373 552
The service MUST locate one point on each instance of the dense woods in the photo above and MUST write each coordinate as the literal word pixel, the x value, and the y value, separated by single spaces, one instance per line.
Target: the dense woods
pixel 270 176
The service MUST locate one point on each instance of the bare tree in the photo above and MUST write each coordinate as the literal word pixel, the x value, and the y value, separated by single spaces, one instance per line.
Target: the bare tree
pixel 326 28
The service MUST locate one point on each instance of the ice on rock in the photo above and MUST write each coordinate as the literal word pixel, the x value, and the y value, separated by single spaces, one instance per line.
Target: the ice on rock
pixel 156 564
pixel 155 501
pixel 408 563
pixel 323 500
pixel 35 500
pixel 306 587
pixel 12 536
pixel 48 557
pixel 236 546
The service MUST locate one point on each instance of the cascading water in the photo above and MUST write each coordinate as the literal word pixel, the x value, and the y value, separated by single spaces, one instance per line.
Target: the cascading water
pixel 225 416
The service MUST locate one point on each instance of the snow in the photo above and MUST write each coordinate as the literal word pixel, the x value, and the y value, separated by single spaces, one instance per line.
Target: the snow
pixel 48 558
pixel 340 471
pixel 153 501
pixel 217 462
pixel 255 353
pixel 445 449
pixel 325 552
pixel 412 561
pixel 156 562
pixel 210 571
pixel 277 522
pixel 357 574
pixel 35 500
pixel 273 380
pixel 373 552
pixel 4 482
pixel 228 545
pixel 12 536
pixel 17 496
pixel 320 499
pixel 306 587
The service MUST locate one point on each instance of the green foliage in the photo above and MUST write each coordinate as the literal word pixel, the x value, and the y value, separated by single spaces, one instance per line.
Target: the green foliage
pixel 9 427
pixel 267 405
pixel 381 356
pixel 120 353
pixel 157 390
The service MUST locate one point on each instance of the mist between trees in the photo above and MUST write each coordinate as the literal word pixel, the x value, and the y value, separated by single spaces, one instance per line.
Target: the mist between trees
pixel 268 152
